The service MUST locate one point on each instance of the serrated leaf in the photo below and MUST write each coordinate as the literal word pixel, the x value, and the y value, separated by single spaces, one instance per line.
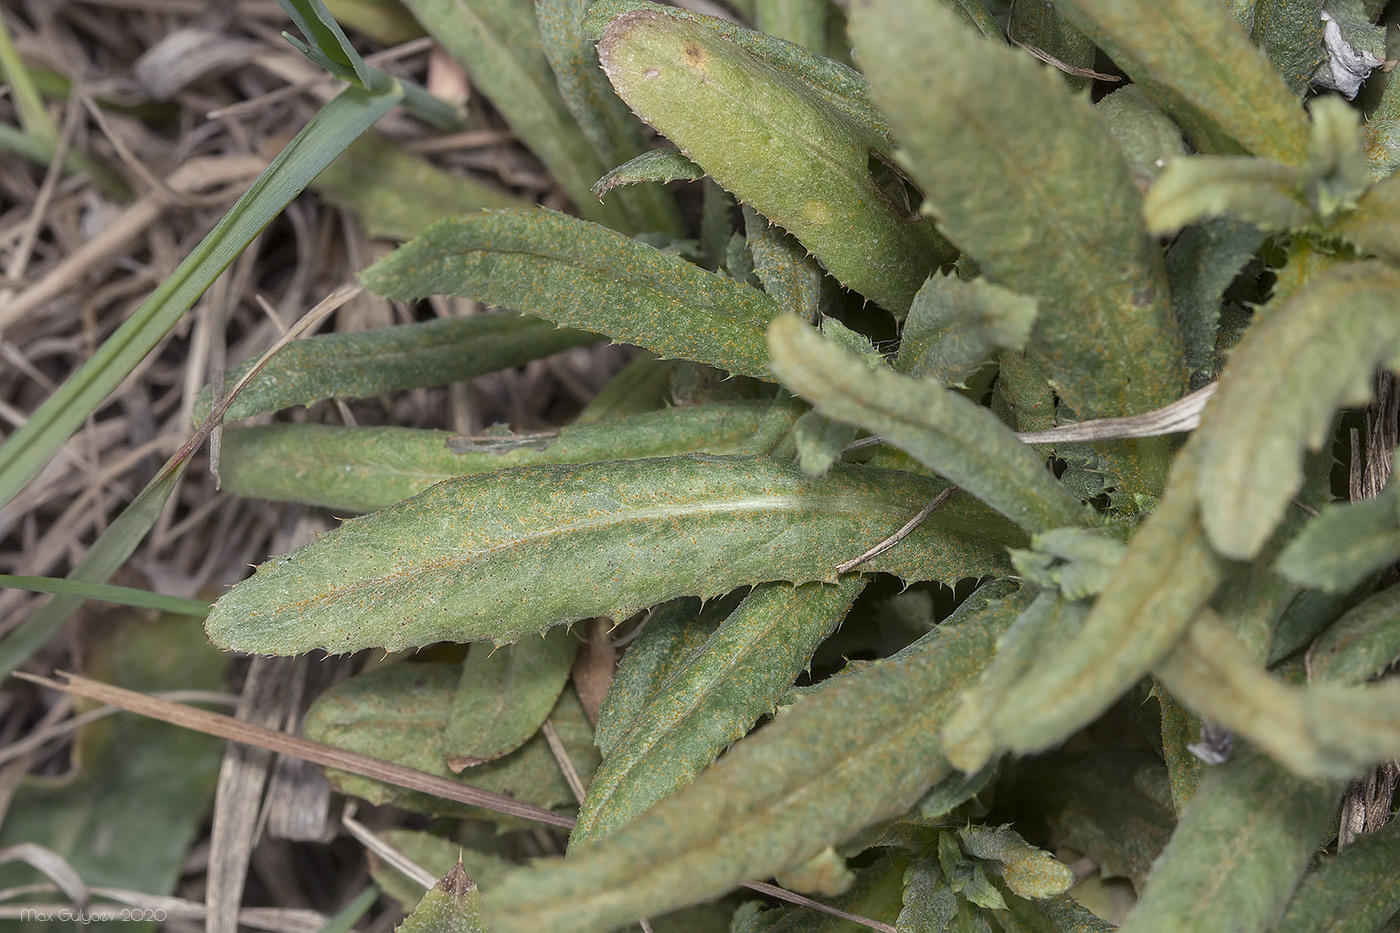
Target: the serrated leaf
pixel 1345 545
pixel 776 799
pixel 655 165
pixel 498 556
pixel 1193 57
pixel 1078 562
pixel 504 696
pixel 788 272
pixel 1167 575
pixel 1202 262
pixel 398 713
pixel 837 84
pixel 1356 890
pixel 367 468
pixel 1017 202
pixel 954 326
pixel 1243 842
pixel 498 41
pixel 1257 191
pixel 1027 870
pixel 1277 395
pixel 572 272
pixel 452 906
pixel 943 430
pixel 1323 731
pixel 1290 31
pixel 409 356
pixel 776 146
pixel 929 904
pixel 610 128
pixel 1361 644
pixel 396 193
pixel 712 699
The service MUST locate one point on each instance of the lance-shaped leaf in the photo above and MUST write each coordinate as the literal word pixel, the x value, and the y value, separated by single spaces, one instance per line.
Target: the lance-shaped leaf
pixel 1168 573
pixel 1005 170
pixel 1357 890
pixel 712 699
pixel 943 430
pixel 788 272
pixel 954 326
pixel 410 356
pixel 1202 262
pixel 364 469
pixel 571 272
pixel 1243 843
pixel 1290 32
pixel 775 800
pixel 1257 191
pixel 776 145
pixel 657 165
pixel 1321 731
pixel 1027 870
pixel 497 556
pixel 1361 644
pixel 504 696
pixel 1278 393
pixel 1345 545
pixel 1195 59
pixel 452 906
pixel 839 85
pixel 614 133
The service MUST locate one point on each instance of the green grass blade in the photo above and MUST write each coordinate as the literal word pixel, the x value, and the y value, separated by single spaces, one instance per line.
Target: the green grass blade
pixel 409 356
pixel 328 133
pixel 365 469
pixel 1026 178
pixel 1241 847
pixel 1193 57
pixel 332 49
pixel 105 592
pixel 775 145
pixel 712 699
pixel 945 431
pixel 776 799
pixel 504 554
pixel 582 275
pixel 29 103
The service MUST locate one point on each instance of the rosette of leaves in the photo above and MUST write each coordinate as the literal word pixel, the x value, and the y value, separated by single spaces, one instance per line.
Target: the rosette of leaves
pixel 948 252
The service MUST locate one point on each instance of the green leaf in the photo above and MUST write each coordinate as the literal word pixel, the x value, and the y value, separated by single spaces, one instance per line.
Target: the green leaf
pixel 333 128
pixel 1027 870
pixel 945 431
pixel 329 46
pixel 1336 173
pixel 122 819
pixel 582 275
pixel 497 556
pixel 1361 644
pixel 368 468
pixel 788 272
pixel 1323 731
pixel 1374 227
pixel 408 356
pixel 1256 191
pixel 1147 137
pixel 1061 914
pixel 498 41
pixel 839 85
pixel 396 193
pixel 659 165
pixel 452 906
pixel 1290 31
pixel 1078 562
pixel 929 903
pixel 614 133
pixel 1277 396
pixel 711 699
pixel 954 326
pixel 1006 172
pixel 820 442
pixel 802 22
pixel 1045 29
pixel 504 696
pixel 1345 545
pixel 1243 843
pixel 398 713
pixel 1193 57
pixel 105 592
pixel 875 895
pixel 1167 575
pixel 1202 262
pixel 776 145
pixel 775 800
pixel 1356 890
pixel 435 854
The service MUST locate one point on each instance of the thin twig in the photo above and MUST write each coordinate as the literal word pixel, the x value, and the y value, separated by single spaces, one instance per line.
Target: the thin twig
pixel 899 535
pixel 561 756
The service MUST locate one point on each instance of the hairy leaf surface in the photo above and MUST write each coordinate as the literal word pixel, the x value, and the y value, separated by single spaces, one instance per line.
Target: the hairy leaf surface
pixel 1361 644
pixel 954 326
pixel 497 556
pixel 572 272
pixel 657 165
pixel 1356 890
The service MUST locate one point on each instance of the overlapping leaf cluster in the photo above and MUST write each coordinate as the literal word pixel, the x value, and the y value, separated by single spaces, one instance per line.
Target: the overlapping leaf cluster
pixel 1041 260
